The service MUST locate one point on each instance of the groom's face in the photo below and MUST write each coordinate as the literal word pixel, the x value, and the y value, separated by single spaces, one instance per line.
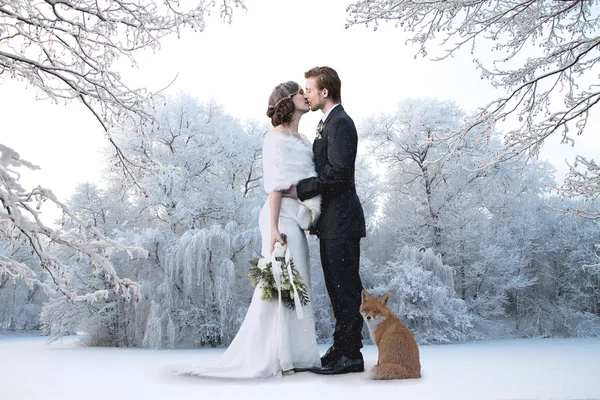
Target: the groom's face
pixel 314 96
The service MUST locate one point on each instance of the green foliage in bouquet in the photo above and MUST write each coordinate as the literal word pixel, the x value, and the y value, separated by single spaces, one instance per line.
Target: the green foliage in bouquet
pixel 261 274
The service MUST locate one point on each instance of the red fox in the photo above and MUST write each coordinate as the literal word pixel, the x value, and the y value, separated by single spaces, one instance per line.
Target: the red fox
pixel 398 350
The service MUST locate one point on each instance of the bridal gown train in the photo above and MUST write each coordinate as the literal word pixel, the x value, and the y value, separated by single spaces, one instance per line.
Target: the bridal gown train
pixel 272 339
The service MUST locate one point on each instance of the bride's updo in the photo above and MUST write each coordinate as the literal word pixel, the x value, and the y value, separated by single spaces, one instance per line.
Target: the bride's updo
pixel 281 106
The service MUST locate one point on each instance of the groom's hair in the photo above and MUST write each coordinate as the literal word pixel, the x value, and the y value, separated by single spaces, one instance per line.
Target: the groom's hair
pixel 328 79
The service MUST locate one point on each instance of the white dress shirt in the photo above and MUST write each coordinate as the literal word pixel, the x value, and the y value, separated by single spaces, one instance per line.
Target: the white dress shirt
pixel 329 112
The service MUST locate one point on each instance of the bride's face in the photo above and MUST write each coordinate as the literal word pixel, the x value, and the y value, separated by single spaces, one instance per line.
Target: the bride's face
pixel 300 103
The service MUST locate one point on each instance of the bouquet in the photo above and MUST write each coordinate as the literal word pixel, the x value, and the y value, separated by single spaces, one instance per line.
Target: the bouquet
pixel 279 278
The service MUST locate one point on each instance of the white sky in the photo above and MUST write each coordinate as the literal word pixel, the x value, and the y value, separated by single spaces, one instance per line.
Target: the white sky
pixel 238 65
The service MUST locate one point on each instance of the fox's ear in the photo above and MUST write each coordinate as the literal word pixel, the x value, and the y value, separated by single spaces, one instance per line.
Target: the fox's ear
pixel 365 295
pixel 385 299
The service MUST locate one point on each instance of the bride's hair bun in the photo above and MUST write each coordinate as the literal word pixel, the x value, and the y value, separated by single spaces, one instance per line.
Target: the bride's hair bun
pixel 281 106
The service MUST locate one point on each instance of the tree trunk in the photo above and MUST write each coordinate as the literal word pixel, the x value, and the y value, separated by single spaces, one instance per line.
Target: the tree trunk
pixel 463 290
pixel 516 310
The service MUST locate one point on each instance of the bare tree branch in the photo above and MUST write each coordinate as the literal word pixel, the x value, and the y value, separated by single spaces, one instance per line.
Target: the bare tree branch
pixel 555 46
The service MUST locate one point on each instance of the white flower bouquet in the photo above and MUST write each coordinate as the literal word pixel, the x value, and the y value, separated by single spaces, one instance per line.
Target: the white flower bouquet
pixel 279 278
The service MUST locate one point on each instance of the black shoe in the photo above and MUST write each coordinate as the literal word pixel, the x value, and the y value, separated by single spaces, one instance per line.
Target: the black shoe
pixel 332 354
pixel 343 365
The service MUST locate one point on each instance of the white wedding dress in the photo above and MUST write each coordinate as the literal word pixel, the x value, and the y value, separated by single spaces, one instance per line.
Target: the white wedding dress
pixel 272 339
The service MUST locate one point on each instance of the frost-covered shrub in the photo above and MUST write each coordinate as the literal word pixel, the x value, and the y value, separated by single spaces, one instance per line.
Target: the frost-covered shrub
pixel 551 320
pixel 112 321
pixel 20 305
pixel 427 305
pixel 205 291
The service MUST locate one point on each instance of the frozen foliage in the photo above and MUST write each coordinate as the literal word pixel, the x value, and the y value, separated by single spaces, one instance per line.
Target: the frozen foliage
pixel 201 267
pixel 411 145
pixel 200 169
pixel 197 165
pixel 113 320
pixel 66 50
pixel 545 51
pixel 194 291
pixel 20 225
pixel 462 252
pixel 494 229
pixel 426 304
pixel 198 300
pixel 429 261
pixel 564 299
pixel 583 182
pixel 20 305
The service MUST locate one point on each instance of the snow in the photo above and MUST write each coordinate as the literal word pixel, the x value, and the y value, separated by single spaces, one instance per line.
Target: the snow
pixel 31 368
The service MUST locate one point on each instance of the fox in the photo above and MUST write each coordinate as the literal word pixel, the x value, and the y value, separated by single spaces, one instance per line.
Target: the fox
pixel 398 351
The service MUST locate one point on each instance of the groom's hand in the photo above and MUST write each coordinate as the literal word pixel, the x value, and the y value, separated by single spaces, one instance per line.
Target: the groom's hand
pixel 291 192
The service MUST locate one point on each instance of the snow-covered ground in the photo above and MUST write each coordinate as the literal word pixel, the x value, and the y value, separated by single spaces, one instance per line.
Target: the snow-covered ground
pixel 503 369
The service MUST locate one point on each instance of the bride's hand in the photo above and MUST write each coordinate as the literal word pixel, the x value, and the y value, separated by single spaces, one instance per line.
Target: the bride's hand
pixel 291 192
pixel 275 237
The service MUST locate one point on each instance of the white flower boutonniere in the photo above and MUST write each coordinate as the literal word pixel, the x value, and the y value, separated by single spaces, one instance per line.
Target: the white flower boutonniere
pixel 320 128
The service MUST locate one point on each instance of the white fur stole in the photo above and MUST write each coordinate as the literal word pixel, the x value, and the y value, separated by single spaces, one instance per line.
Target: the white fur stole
pixel 286 161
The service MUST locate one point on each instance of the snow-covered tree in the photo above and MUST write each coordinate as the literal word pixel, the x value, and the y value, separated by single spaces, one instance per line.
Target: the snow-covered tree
pixel 566 298
pixel 427 195
pixel 67 50
pixel 422 295
pixel 98 207
pixel 197 164
pixel 486 226
pixel 583 183
pixel 194 290
pixel 408 146
pixel 544 54
pixel 111 321
pixel 200 283
pixel 20 225
pixel 20 305
pixel 547 51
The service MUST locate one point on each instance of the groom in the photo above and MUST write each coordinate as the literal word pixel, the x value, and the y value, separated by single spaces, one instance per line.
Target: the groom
pixel 342 222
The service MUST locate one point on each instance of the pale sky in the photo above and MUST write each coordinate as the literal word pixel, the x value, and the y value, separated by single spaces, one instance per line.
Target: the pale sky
pixel 238 65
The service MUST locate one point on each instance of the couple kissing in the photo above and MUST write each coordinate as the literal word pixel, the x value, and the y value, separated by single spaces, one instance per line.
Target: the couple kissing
pixel 311 188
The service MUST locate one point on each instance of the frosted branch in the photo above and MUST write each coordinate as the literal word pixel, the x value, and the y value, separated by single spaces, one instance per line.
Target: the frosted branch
pixel 20 223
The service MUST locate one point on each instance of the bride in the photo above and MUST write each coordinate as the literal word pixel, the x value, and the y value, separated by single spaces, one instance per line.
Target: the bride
pixel 273 339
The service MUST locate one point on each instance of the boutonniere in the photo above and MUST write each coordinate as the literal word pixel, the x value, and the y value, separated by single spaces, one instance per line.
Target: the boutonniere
pixel 320 130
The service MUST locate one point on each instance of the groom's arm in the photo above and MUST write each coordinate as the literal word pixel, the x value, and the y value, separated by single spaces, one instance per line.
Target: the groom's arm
pixel 341 155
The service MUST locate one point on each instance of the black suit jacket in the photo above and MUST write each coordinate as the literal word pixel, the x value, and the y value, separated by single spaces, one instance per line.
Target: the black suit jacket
pixel 335 153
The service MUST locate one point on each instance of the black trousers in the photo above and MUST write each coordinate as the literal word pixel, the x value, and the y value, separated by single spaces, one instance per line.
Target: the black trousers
pixel 340 259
